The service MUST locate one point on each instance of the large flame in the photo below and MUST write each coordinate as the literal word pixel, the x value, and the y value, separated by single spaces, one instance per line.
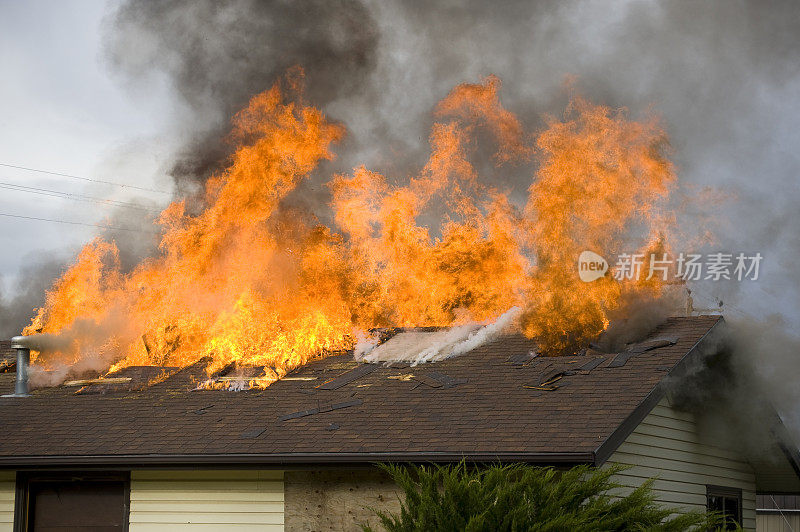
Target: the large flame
pixel 251 281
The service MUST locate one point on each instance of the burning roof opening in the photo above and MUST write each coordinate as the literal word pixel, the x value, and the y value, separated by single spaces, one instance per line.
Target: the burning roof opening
pixel 252 281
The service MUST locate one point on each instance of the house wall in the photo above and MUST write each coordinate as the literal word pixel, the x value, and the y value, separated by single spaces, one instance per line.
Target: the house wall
pixel 7 491
pixel 337 500
pixel 776 522
pixel 666 445
pixel 195 501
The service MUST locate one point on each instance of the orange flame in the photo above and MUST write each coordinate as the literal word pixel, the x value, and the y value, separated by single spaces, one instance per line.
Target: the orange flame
pixel 248 281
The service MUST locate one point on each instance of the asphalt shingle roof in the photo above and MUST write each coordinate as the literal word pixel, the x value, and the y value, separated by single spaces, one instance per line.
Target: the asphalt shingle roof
pixel 488 412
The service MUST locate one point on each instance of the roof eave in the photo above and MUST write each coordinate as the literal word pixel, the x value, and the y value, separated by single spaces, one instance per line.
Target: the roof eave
pixel 291 459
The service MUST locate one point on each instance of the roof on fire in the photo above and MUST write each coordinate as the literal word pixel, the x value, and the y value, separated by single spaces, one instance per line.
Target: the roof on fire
pixel 493 403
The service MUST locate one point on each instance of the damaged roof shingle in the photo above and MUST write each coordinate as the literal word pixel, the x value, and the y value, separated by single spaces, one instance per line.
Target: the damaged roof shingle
pixel 346 378
pixel 320 409
pixel 640 348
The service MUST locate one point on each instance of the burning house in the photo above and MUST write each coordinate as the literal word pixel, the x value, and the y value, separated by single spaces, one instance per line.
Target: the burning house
pixel 250 372
pixel 145 448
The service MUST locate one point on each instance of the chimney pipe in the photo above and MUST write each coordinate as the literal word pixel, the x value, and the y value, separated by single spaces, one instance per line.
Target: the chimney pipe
pixel 23 360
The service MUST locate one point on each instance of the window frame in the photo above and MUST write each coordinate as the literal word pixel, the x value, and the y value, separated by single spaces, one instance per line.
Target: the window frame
pixel 727 493
pixel 25 478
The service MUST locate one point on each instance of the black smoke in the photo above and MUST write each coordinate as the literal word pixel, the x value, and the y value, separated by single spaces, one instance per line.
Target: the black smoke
pixel 218 54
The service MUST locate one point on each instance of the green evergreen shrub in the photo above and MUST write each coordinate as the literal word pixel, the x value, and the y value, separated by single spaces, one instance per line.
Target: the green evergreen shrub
pixel 522 497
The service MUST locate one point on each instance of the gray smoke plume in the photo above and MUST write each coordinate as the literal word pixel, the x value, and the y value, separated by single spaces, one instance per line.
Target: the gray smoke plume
pixel 218 54
pixel 766 354
pixel 744 376
pixel 16 307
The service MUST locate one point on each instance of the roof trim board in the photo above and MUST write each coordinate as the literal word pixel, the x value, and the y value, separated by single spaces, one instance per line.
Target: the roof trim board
pixel 206 460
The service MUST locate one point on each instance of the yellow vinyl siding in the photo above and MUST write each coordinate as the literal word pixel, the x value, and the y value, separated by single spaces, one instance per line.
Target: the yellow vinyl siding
pixel 7 491
pixel 666 446
pixel 199 501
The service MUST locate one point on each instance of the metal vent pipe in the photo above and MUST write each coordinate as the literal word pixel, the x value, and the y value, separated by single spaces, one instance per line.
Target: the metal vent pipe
pixel 23 361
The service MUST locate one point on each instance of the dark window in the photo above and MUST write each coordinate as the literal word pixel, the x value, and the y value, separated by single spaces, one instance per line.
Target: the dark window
pixel 727 502
pixel 67 503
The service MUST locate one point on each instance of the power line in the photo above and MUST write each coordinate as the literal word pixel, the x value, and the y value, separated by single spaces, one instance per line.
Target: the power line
pixel 72 196
pixel 75 223
pixel 123 185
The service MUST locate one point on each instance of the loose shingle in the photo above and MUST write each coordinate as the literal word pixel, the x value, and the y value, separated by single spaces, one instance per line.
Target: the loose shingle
pixel 253 433
pixel 346 378
pixel 427 380
pixel 320 409
pixel 592 364
pixel 520 359
pixel 446 380
pixel 640 348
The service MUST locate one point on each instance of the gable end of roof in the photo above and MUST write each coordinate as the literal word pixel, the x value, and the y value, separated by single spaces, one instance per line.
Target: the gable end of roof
pixel 621 433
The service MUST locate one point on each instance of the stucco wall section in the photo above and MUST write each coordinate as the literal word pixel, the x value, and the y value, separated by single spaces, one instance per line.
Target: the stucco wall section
pixel 337 500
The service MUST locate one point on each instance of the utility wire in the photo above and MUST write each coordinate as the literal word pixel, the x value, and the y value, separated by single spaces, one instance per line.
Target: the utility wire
pixel 781 512
pixel 72 196
pixel 75 223
pixel 83 178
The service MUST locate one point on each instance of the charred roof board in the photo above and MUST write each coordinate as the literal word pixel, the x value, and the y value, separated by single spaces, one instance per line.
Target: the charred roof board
pixel 388 420
pixel 128 379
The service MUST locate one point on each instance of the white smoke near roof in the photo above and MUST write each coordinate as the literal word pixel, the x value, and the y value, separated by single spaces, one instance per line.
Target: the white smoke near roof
pixel 422 347
pixel 365 344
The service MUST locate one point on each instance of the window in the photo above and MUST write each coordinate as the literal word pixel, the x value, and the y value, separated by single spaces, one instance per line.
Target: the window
pixel 67 502
pixel 726 501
